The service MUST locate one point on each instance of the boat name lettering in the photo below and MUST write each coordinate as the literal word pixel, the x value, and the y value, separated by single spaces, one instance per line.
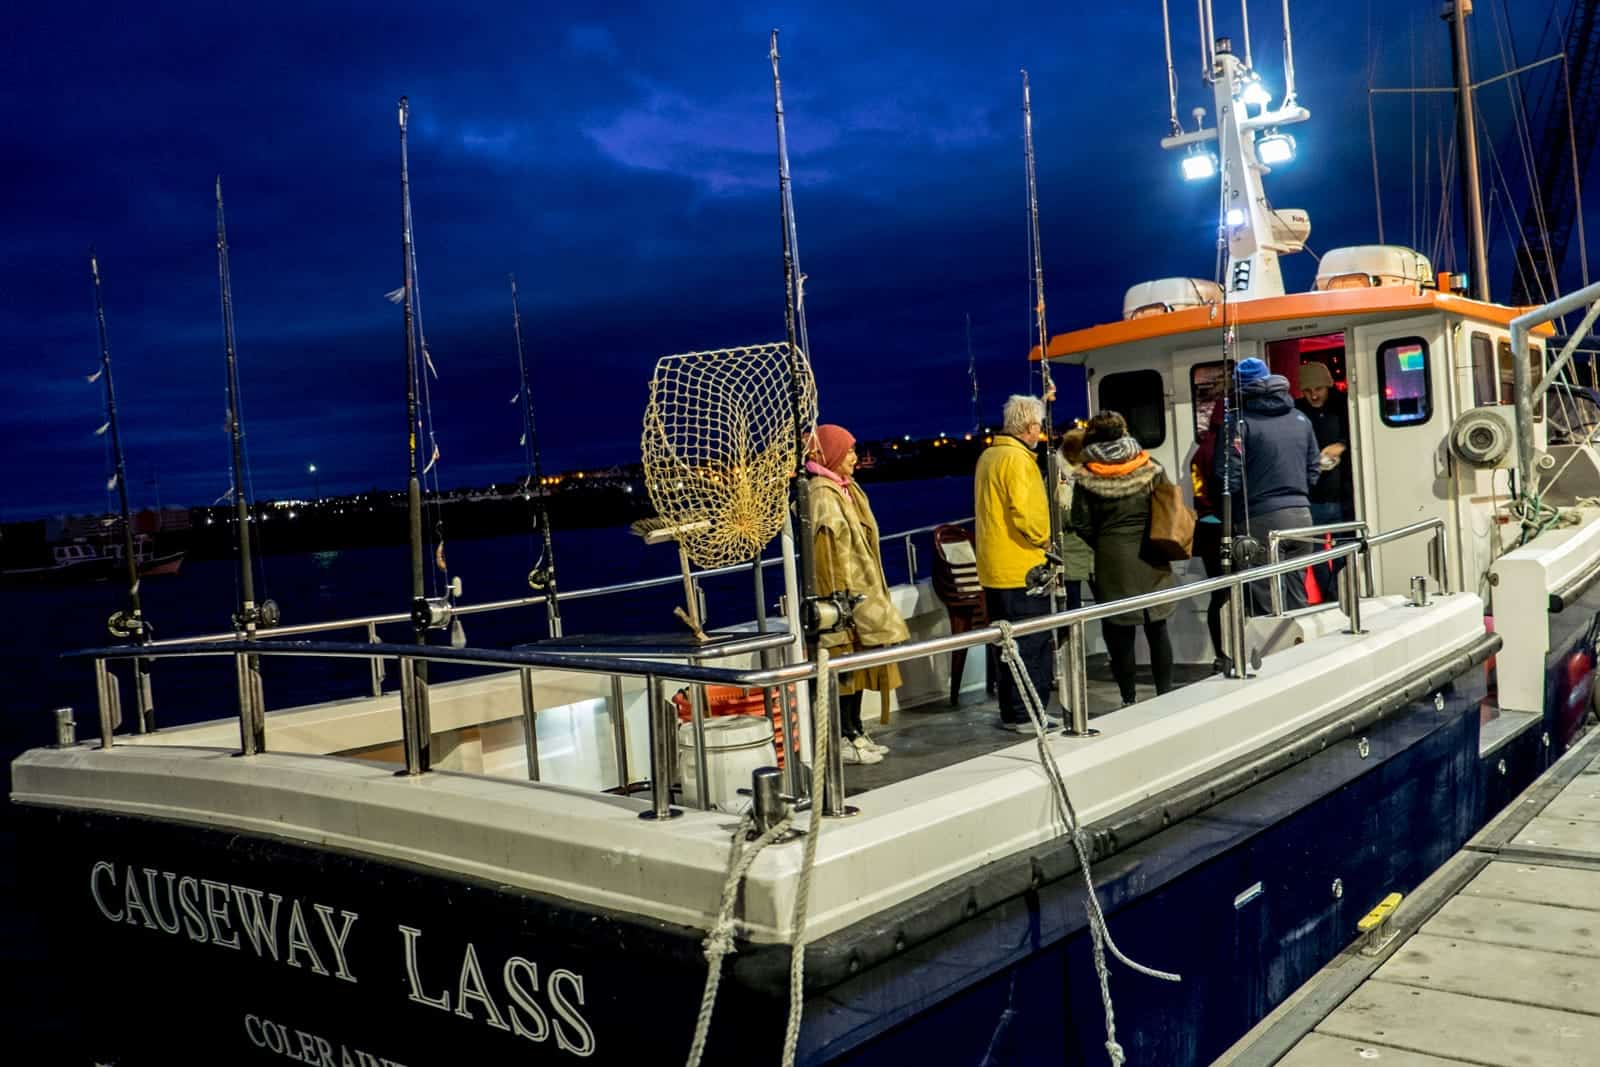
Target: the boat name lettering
pixel 220 913
pixel 302 1047
pixel 511 1004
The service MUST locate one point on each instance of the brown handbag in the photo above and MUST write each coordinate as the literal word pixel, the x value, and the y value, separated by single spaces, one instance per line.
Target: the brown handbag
pixel 1171 522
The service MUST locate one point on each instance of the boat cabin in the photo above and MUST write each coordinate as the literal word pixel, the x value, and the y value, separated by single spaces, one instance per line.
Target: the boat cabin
pixel 1413 358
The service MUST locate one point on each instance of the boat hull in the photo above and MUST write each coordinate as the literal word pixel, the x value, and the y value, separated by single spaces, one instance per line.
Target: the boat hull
pixel 388 961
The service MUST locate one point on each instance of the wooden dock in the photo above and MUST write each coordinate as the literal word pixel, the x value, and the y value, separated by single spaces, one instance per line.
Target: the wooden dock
pixel 1495 960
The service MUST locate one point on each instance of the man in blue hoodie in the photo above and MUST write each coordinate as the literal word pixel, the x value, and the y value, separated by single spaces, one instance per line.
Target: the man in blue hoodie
pixel 1270 464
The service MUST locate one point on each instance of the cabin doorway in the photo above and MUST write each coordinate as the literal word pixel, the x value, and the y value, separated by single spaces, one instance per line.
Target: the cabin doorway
pixel 1318 377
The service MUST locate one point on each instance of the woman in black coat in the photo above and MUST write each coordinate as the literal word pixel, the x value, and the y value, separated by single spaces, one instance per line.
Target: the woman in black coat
pixel 1111 512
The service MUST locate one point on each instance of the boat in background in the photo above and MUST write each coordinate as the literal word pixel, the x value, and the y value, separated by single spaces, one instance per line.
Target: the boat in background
pixel 308 884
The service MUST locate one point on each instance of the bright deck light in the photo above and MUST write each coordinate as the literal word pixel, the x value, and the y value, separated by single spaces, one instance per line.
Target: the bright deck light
pixel 1255 94
pixel 1199 166
pixel 1235 216
pixel 1275 148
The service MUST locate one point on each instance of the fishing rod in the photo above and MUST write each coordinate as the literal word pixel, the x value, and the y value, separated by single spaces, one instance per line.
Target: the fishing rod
pixel 130 623
pixel 794 319
pixel 542 578
pixel 1052 459
pixel 972 376
pixel 250 615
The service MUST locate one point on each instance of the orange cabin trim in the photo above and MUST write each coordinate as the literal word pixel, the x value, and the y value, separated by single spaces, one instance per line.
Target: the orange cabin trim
pixel 1285 308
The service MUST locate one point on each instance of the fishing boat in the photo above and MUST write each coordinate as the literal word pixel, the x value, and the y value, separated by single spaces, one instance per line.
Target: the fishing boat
pixel 552 860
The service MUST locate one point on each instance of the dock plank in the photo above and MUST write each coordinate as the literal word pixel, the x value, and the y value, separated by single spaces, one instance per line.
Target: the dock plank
pixel 1451 1025
pixel 1582 804
pixel 1320 1050
pixel 1518 924
pixel 1497 972
pixel 1577 838
pixel 1536 884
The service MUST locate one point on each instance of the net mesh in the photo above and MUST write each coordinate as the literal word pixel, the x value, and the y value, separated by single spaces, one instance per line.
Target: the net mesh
pixel 719 437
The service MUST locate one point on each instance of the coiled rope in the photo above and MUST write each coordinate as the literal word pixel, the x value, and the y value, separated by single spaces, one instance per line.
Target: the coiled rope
pixel 1099 934
pixel 742 852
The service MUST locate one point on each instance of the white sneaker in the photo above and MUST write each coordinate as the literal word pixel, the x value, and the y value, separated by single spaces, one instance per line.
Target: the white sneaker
pixel 864 739
pixel 852 753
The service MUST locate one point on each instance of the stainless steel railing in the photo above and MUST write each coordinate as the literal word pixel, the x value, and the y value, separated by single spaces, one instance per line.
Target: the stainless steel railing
pixel 1438 550
pixel 416 728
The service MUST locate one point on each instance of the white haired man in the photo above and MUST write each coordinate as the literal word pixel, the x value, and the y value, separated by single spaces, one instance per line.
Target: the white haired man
pixel 1013 520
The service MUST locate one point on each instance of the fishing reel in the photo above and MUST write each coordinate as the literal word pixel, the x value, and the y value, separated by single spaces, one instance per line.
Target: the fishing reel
pixel 437 612
pixel 262 616
pixel 127 625
pixel 1045 578
pixel 1247 552
pixel 829 614
pixel 541 578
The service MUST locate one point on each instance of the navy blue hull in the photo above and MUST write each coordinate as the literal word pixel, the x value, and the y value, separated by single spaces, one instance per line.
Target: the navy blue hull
pixel 1246 899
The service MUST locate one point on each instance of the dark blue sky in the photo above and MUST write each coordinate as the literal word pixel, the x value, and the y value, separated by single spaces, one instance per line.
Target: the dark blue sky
pixel 619 160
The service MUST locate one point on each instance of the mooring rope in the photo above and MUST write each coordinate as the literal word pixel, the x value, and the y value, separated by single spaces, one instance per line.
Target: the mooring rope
pixel 742 853
pixel 1099 933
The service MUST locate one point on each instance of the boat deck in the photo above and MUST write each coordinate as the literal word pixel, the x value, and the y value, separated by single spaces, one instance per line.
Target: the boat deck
pixel 1494 960
pixel 930 736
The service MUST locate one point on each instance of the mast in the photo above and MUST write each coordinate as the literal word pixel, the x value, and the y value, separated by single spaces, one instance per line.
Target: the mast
pixel 541 578
pixel 248 616
pixel 131 624
pixel 1467 137
pixel 1052 459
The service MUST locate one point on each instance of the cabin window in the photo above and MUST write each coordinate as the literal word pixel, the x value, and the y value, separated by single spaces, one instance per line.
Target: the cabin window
pixel 1508 378
pixel 1405 387
pixel 1206 384
pixel 1485 379
pixel 1138 396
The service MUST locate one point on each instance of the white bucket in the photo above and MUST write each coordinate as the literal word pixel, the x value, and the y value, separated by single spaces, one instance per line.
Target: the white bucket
pixel 736 745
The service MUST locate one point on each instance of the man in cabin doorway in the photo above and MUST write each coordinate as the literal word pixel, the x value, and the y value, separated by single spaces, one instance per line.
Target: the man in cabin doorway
pixel 1013 531
pixel 1270 464
pixel 1333 497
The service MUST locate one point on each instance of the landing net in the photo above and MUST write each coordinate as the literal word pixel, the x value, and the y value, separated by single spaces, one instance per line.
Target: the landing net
pixel 719 446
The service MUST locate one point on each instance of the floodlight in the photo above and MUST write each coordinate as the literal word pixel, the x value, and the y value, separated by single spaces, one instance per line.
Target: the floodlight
pixel 1235 216
pixel 1275 148
pixel 1198 166
pixel 1255 94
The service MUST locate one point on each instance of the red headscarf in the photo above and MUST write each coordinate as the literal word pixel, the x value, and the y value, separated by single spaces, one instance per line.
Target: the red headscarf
pixel 831 444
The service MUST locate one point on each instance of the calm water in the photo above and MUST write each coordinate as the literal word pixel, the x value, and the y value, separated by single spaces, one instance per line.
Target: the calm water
pixel 44 623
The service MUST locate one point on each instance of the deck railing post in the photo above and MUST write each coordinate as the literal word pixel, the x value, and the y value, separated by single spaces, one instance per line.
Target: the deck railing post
pixel 1275 591
pixel 1077 682
pixel 376 661
pixel 1439 560
pixel 663 735
pixel 911 561
pixel 619 732
pixel 252 719
pixel 416 719
pixel 1350 595
pixel 530 724
pixel 833 774
pixel 103 681
pixel 1238 653
pixel 697 716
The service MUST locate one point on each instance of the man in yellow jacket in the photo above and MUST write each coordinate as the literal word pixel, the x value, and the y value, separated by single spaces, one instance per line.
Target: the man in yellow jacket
pixel 1013 530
